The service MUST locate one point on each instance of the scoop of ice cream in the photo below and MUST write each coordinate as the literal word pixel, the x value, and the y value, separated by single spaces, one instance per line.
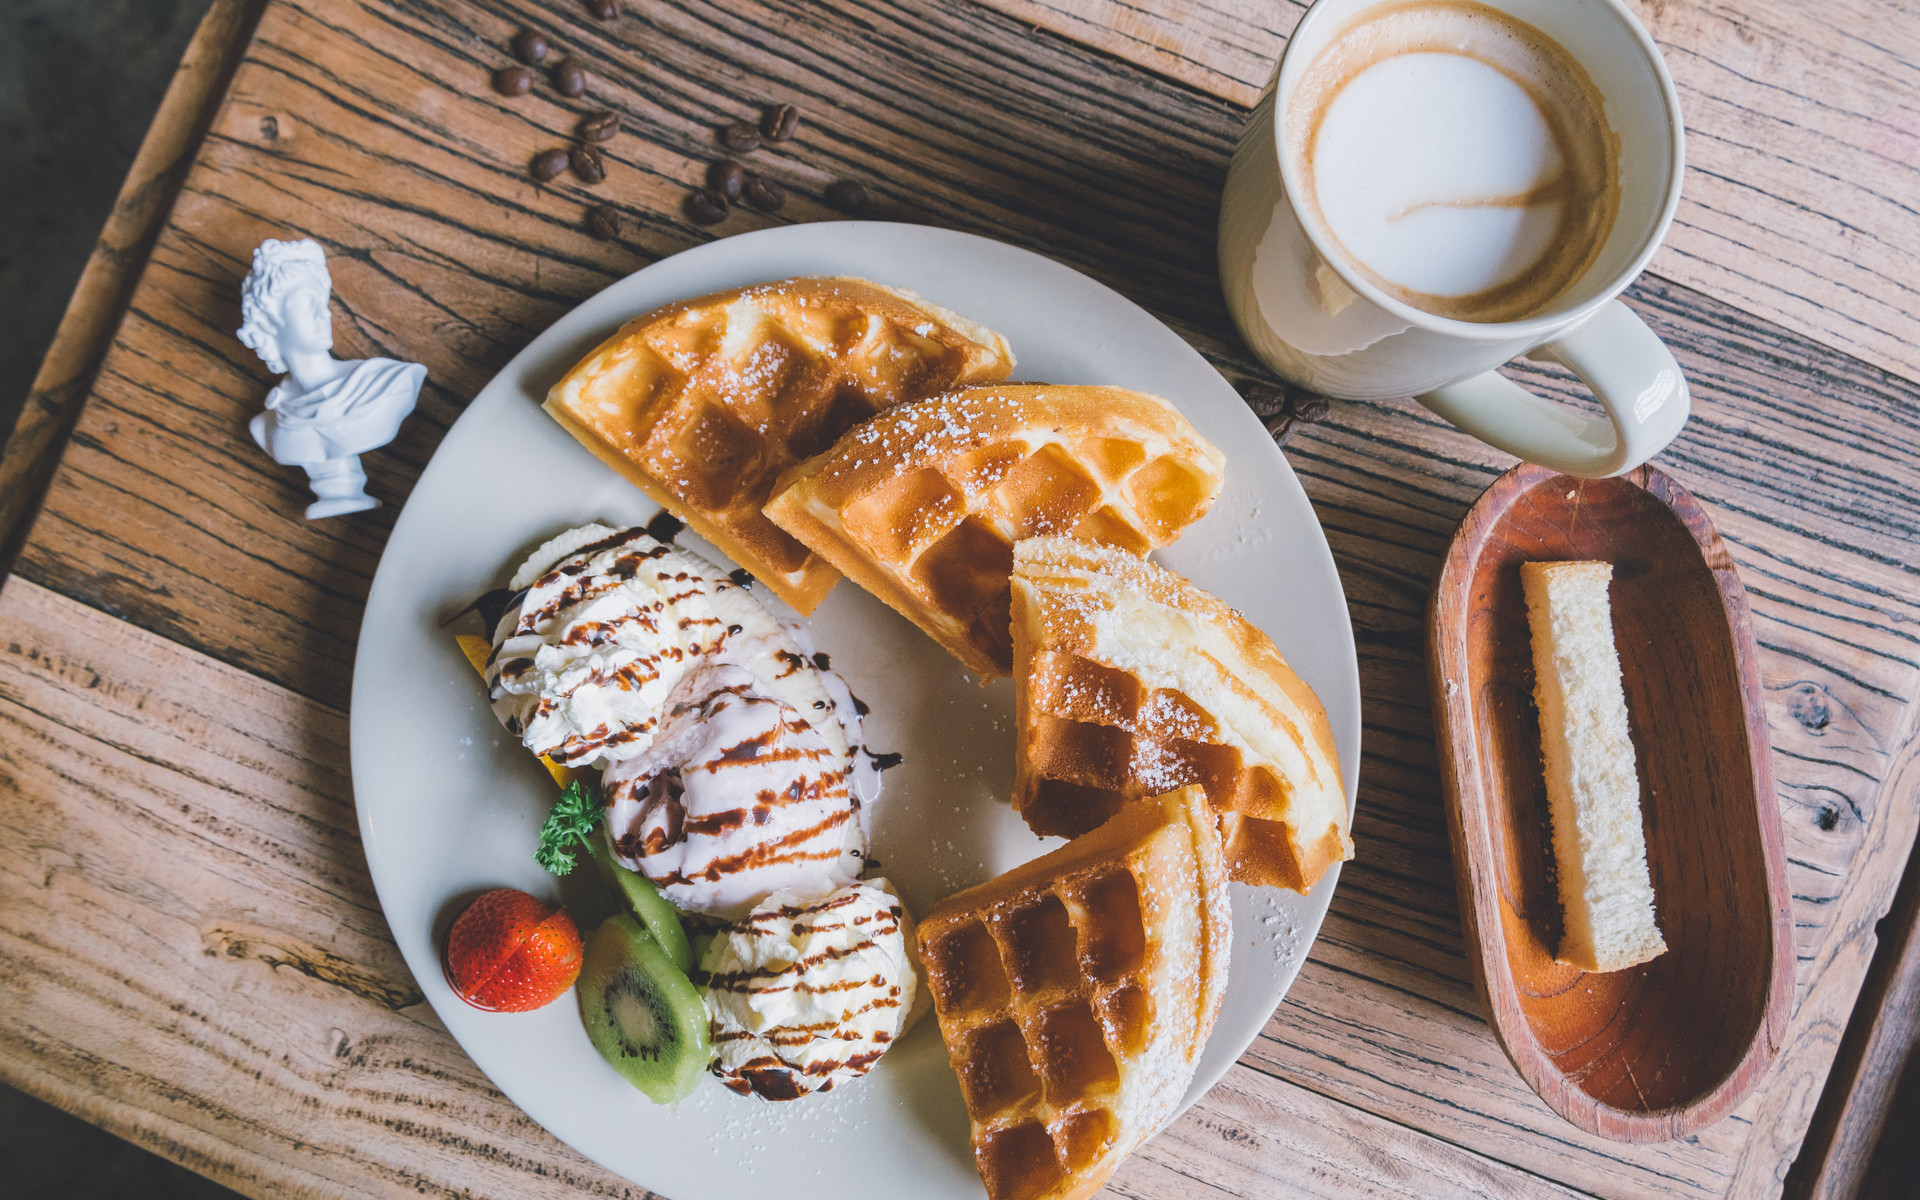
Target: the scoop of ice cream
pixel 585 661
pixel 738 796
pixel 805 994
pixel 867 764
pixel 550 553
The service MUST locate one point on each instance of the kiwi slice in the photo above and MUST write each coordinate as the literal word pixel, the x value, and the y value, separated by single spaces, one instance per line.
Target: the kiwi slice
pixel 642 1013
pixel 646 903
pixel 701 940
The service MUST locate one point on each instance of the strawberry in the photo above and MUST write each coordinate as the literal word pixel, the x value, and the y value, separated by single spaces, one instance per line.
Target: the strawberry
pixel 509 952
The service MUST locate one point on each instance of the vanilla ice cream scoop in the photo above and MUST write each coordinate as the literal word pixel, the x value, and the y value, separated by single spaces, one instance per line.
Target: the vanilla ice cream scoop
pixel 737 797
pixel 607 625
pixel 806 993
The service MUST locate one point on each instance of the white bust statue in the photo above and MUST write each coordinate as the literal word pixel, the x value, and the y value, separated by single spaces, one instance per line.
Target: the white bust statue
pixel 326 413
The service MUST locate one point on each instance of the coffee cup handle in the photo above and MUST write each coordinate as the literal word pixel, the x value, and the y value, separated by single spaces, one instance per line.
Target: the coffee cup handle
pixel 1631 373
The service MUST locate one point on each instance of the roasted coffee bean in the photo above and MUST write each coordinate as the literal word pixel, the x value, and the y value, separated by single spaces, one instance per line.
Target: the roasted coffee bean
pixel 598 126
pixel 707 207
pixel 1273 402
pixel 727 177
pixel 603 222
pixel 765 194
pixel 569 78
pixel 548 164
pixel 587 163
pixel 513 81
pixel 780 122
pixel 1310 407
pixel 1301 408
pixel 846 195
pixel 740 137
pixel 531 47
pixel 606 10
pixel 1265 399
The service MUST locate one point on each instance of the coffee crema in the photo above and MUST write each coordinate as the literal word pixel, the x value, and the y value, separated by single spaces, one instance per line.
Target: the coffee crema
pixel 1457 157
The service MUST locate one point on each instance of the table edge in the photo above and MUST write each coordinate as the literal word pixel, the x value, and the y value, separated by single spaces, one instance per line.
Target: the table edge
pixel 120 254
pixel 1835 1151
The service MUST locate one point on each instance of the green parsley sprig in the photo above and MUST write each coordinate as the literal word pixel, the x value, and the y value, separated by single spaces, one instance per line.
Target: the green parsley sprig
pixel 576 814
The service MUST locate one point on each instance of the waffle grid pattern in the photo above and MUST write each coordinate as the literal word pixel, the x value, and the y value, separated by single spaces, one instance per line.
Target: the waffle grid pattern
pixel 923 505
pixel 1098 739
pixel 1130 681
pixel 1039 1003
pixel 948 530
pixel 705 404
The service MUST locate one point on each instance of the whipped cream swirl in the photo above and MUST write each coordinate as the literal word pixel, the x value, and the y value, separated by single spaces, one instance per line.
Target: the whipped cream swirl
pixel 733 756
pixel 584 664
pixel 737 797
pixel 806 993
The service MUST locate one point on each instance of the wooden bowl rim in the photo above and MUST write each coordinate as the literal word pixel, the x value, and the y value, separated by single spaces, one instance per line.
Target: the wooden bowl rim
pixel 1467 823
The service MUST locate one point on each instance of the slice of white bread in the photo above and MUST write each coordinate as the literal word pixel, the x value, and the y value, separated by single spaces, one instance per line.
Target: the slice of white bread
pixel 1592 786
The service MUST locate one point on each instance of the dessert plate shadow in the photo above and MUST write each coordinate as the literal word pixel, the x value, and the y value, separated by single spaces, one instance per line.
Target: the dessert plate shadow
pixel 1659 1050
pixel 449 804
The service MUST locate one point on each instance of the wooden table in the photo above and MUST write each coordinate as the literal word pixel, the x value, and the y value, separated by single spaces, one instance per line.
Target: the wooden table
pixel 190 950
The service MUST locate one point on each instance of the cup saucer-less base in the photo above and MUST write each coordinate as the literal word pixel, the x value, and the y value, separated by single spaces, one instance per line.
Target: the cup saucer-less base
pixel 449 805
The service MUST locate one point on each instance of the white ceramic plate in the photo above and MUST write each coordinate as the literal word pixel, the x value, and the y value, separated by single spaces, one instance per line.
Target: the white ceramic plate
pixel 450 806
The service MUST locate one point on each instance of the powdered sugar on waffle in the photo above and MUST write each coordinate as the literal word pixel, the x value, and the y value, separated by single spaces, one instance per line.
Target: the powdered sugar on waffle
pixel 908 436
pixel 1208 676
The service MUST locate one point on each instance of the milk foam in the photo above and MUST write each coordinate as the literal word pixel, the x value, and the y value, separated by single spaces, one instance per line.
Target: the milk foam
pixel 1457 157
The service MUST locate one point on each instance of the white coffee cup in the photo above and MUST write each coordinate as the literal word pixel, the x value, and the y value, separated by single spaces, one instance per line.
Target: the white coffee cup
pixel 1319 322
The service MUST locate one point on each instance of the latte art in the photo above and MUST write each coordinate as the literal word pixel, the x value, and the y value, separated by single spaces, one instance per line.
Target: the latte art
pixel 1457 157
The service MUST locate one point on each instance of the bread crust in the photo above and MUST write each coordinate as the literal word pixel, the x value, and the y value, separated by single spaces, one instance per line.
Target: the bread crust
pixel 1593 785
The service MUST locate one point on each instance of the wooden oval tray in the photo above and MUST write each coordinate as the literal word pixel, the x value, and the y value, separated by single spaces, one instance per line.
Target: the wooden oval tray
pixel 1660 1050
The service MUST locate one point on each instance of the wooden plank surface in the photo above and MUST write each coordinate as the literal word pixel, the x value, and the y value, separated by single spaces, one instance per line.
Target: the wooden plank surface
pixel 1859 1113
pixel 1803 142
pixel 194 954
pixel 369 127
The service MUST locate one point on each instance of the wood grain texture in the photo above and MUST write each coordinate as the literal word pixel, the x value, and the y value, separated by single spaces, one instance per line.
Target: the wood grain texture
pixel 1256 1136
pixel 1803 142
pixel 191 954
pixel 1862 1127
pixel 369 127
pixel 31 450
pixel 1782 1112
pixel 1660 1050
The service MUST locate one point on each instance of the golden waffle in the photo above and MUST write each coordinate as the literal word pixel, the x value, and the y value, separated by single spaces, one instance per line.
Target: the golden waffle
pixel 1131 681
pixel 921 505
pixel 1075 992
pixel 702 404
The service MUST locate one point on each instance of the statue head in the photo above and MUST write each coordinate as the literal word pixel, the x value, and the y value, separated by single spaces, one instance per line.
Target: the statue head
pixel 283 302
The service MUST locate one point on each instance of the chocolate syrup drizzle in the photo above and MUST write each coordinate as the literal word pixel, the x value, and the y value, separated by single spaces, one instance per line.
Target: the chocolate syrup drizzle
pixel 768 1075
pixel 665 527
pixel 629 676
